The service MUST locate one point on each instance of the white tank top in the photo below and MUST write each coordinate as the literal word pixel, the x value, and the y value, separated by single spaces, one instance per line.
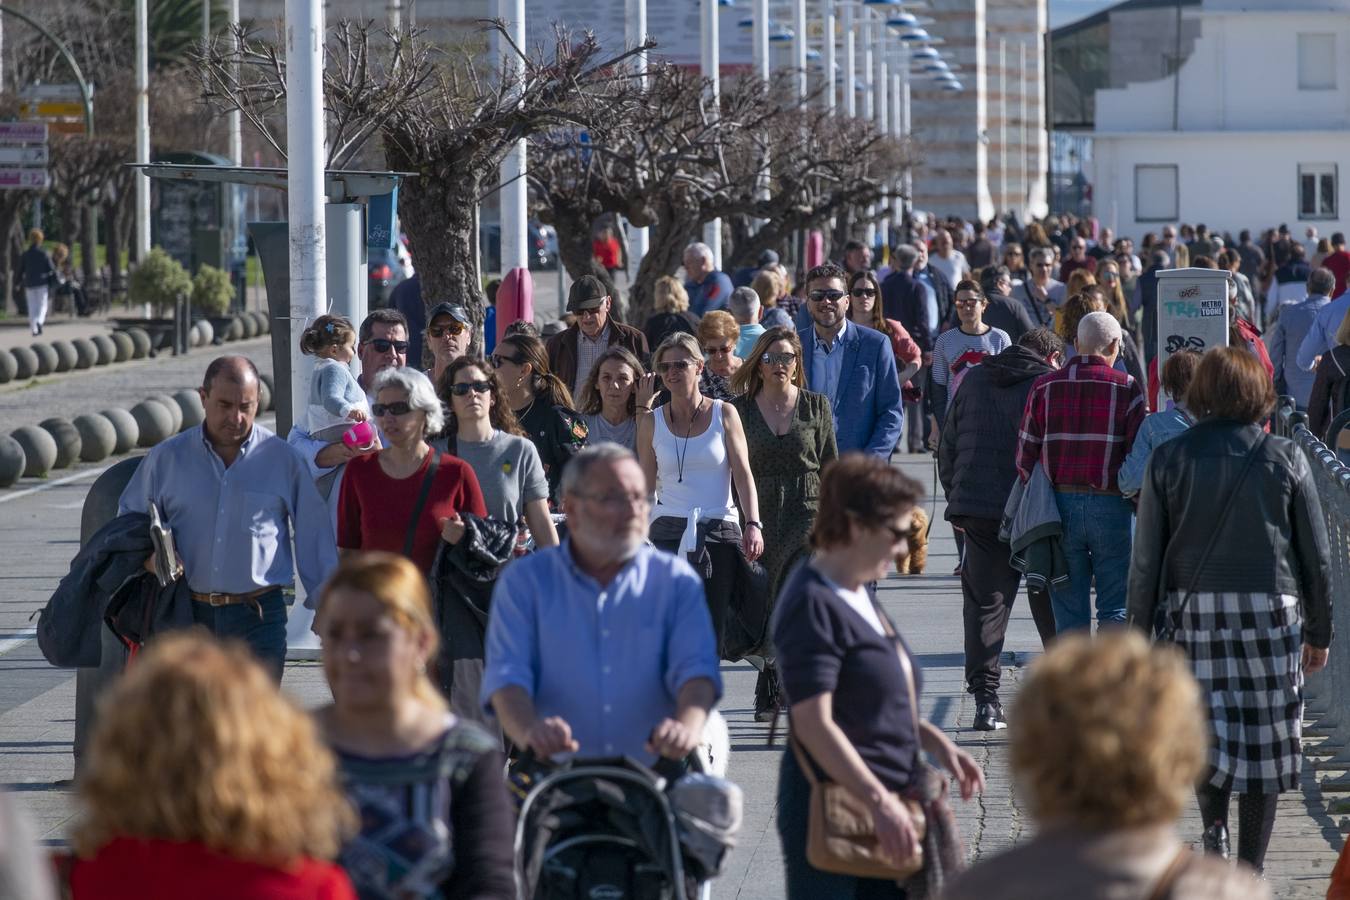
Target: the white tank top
pixel 695 474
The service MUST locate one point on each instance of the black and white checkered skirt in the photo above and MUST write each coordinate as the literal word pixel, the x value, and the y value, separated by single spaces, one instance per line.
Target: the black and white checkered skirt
pixel 1245 650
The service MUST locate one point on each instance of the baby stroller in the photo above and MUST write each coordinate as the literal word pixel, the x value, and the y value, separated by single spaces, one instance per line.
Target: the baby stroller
pixel 613 829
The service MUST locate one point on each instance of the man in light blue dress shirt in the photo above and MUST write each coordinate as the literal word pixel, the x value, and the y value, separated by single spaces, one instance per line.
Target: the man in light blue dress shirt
pixel 234 494
pixel 602 646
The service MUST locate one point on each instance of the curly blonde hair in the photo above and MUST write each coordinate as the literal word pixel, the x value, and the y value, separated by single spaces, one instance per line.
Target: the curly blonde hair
pixel 196 743
pixel 1108 732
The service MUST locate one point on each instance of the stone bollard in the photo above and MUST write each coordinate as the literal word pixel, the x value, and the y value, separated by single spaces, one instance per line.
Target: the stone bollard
pixel 12 461
pixel 67 438
pixel 66 357
pixel 39 450
pixel 86 354
pixel 127 431
pixel 46 359
pixel 9 367
pixel 98 437
pixel 124 346
pixel 106 347
pixel 26 363
pixel 155 422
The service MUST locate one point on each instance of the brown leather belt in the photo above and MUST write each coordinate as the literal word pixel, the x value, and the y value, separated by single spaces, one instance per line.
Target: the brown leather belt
pixel 217 599
pixel 1084 489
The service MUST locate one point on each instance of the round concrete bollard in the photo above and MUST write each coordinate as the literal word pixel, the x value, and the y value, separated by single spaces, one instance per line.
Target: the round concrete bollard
pixel 264 395
pixel 194 337
pixel 9 367
pixel 123 345
pixel 207 332
pixel 25 362
pixel 264 326
pixel 172 406
pixel 189 406
pixel 12 460
pixel 105 347
pixel 141 343
pixel 125 428
pixel 39 450
pixel 235 331
pixel 46 359
pixel 66 357
pixel 155 422
pixel 86 354
pixel 98 437
pixel 68 441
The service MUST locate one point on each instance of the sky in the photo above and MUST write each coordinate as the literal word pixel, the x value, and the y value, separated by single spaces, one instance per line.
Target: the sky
pixel 1063 12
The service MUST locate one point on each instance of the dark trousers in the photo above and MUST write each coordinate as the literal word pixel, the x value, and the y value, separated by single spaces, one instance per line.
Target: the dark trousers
pixel 261 627
pixel 717 586
pixel 988 587
pixel 804 881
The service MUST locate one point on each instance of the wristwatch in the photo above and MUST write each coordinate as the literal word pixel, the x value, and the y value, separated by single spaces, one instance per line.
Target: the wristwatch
pixel 759 525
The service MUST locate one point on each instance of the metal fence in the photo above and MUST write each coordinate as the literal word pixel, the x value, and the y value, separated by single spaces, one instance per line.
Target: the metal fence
pixel 1327 713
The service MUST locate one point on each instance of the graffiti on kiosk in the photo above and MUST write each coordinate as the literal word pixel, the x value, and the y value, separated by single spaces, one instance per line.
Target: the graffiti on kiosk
pixel 1187 293
pixel 1177 343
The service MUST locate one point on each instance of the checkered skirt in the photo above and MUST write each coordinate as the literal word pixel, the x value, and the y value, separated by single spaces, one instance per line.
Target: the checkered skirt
pixel 1245 651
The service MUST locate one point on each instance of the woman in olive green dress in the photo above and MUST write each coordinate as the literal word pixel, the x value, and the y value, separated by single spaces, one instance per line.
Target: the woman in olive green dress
pixel 790 435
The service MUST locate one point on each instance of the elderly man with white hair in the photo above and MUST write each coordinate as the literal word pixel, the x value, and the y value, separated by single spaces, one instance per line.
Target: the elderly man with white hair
pixel 1078 426
pixel 707 286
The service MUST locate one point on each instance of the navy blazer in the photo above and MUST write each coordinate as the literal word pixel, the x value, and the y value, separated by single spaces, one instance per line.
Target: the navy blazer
pixel 868 410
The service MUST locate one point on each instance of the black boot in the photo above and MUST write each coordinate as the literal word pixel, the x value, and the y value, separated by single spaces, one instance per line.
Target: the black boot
pixel 768 695
pixel 1215 841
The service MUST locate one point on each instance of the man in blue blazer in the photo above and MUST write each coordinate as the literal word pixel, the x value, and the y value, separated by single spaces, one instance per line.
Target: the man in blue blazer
pixel 852 365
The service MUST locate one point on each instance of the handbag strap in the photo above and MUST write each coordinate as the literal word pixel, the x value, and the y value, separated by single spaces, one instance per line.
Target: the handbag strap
pixel 1162 888
pixel 421 503
pixel 1219 523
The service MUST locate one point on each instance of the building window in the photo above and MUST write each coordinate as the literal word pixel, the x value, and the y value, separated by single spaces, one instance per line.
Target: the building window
pixel 1317 191
pixel 1316 62
pixel 1155 193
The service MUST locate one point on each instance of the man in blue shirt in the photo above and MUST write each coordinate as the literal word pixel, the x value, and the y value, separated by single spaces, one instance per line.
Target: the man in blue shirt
pixel 707 287
pixel 853 366
pixel 602 646
pixel 1321 336
pixel 1284 340
pixel 234 495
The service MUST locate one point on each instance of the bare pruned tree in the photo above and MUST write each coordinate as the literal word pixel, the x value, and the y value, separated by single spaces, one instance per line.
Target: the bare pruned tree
pixel 439 116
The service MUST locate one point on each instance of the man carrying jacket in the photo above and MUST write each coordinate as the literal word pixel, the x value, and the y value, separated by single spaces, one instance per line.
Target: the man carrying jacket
pixel 977 467
pixel 572 353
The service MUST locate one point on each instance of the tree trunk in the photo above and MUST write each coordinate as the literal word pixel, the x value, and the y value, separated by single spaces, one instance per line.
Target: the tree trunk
pixel 573 227
pixel 667 238
pixel 93 285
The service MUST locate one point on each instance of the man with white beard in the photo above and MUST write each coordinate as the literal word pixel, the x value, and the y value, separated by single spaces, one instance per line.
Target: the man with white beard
pixel 603 645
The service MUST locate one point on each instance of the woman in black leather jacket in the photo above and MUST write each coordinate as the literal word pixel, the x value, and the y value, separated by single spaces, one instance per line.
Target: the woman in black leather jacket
pixel 1245 581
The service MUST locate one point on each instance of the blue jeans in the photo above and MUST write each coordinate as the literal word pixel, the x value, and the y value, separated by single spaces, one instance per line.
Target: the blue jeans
pixel 1097 539
pixel 804 881
pixel 264 634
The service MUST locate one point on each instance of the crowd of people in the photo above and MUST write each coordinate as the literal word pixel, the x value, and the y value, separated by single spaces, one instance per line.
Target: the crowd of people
pixel 549 551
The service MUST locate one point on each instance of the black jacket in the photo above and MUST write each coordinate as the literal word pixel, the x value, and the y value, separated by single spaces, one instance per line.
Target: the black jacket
pixel 946 296
pixel 1273 541
pixel 978 450
pixel 902 299
pixel 1009 315
pixel 107 579
pixel 1147 287
pixel 37 267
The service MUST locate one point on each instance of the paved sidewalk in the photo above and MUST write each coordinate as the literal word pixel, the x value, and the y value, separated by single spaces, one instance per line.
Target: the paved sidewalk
pixel 37 538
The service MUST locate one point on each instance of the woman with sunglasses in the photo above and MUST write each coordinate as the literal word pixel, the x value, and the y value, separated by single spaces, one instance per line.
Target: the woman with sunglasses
pixel 692 450
pixel 614 393
pixel 864 308
pixel 542 404
pixel 717 335
pixel 407 497
pixel 481 430
pixel 789 433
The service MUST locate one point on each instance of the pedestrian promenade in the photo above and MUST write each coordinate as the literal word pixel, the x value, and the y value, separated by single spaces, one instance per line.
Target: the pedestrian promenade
pixel 38 535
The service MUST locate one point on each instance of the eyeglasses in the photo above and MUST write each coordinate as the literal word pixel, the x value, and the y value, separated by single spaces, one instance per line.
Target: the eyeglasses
pixel 719 351
pixel 463 388
pixel 1109 276
pixel 675 365
pixel 454 329
pixel 590 313
pixel 383 345
pixel 498 359
pixel 617 501
pixel 401 408
pixel 778 359
pixel 830 296
pixel 864 292
pixel 968 301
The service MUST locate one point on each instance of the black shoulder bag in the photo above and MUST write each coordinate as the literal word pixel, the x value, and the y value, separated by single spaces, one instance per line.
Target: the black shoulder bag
pixel 421 503
pixel 1173 618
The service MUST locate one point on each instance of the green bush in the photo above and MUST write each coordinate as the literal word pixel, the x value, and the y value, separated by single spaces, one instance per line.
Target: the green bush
pixel 158 280
pixel 211 291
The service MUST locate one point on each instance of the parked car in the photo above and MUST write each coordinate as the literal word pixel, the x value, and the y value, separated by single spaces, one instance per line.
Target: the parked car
pixel 541 242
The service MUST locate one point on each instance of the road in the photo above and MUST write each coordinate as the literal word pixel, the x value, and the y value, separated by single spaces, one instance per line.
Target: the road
pixel 39 528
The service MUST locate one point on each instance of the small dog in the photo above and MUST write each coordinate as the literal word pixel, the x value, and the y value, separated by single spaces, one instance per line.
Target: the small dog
pixel 913 563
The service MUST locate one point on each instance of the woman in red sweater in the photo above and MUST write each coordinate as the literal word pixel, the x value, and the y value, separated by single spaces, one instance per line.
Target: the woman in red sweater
pixel 203 781
pixel 381 491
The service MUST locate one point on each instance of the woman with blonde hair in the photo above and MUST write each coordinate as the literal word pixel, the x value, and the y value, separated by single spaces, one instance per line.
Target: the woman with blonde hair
pixel 670 311
pixel 203 781
pixel 436 818
pixel 1106 742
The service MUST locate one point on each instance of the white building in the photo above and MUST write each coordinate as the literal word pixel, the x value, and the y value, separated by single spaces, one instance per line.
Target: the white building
pixel 1248 132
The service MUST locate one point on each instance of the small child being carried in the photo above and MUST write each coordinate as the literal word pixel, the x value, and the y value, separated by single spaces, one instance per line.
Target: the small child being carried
pixel 336 400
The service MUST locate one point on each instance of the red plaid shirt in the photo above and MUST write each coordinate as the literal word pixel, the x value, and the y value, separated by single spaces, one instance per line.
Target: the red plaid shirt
pixel 1079 423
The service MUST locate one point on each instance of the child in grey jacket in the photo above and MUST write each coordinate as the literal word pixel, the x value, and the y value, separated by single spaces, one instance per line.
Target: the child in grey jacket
pixel 336 400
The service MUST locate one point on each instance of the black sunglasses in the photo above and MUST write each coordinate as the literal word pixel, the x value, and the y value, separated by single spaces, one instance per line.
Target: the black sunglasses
pixel 823 296
pixel 478 387
pixel 678 365
pixel 499 358
pixel 455 329
pixel 864 292
pixel 382 345
pixel 778 359
pixel 401 408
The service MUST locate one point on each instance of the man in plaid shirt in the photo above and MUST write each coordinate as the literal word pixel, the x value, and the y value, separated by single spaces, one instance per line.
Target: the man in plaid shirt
pixel 1079 424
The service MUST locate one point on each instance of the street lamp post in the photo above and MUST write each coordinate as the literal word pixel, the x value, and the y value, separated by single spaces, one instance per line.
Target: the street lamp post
pixel 142 241
pixel 828 55
pixel 709 63
pixel 799 47
pixel 850 63
pixel 639 239
pixel 514 199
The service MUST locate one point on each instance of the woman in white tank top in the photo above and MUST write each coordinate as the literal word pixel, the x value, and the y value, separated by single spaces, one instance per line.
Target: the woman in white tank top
pixel 692 449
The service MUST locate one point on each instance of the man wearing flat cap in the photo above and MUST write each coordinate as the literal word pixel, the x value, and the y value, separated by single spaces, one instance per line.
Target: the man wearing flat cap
pixel 572 353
